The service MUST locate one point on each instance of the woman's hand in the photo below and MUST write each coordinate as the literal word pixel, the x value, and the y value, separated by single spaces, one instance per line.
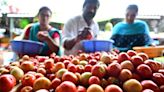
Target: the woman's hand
pixel 43 36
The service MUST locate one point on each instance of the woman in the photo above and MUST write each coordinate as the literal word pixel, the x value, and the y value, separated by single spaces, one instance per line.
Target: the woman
pixel 131 32
pixel 43 32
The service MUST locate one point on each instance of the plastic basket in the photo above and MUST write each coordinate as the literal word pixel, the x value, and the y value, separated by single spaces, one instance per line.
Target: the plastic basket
pixel 26 47
pixel 97 45
pixel 151 51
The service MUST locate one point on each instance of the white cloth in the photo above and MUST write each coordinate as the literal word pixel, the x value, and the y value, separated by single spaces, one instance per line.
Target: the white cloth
pixel 71 29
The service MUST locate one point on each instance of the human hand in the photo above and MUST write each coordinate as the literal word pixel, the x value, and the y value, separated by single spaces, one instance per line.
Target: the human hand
pixel 85 34
pixel 43 35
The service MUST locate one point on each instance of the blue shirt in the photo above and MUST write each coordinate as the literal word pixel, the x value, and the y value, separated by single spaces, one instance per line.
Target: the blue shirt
pixel 126 36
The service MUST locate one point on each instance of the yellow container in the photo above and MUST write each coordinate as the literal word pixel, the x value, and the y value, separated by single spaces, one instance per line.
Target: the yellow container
pixel 152 51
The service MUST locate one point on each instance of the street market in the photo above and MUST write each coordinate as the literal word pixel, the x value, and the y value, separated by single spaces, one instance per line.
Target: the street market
pixel 81 46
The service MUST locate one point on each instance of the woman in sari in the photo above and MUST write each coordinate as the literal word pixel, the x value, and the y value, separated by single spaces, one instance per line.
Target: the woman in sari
pixel 42 31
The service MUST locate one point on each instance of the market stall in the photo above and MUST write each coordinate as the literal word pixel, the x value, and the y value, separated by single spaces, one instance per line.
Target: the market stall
pixel 97 68
pixel 101 71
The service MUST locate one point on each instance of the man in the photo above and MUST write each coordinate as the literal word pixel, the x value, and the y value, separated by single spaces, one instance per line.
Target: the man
pixel 131 32
pixel 80 28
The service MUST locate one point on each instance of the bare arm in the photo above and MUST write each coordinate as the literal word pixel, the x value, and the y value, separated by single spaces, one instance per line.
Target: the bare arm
pixel 26 33
pixel 68 44
pixel 53 44
pixel 69 39
pixel 83 35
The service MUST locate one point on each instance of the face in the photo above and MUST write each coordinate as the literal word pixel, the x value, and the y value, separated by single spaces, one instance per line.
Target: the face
pixel 89 11
pixel 130 16
pixel 44 17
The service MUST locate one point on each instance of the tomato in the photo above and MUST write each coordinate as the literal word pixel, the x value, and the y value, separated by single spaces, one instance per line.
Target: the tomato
pixel 89 37
pixel 49 63
pixel 41 58
pixel 28 79
pixel 27 89
pixel 7 82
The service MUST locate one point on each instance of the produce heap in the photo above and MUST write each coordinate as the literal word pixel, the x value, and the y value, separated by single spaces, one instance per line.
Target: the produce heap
pixel 87 72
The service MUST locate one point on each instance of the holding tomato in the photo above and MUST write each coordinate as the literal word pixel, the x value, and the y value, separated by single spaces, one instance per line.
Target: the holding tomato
pixel 43 35
pixel 85 34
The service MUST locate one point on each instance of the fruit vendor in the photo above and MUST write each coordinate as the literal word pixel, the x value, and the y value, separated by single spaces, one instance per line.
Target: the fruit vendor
pixel 131 32
pixel 43 32
pixel 80 28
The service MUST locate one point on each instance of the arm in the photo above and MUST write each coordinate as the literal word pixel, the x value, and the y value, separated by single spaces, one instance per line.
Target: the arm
pixel 68 44
pixel 73 34
pixel 84 34
pixel 26 33
pixel 69 39
pixel 150 40
pixel 53 43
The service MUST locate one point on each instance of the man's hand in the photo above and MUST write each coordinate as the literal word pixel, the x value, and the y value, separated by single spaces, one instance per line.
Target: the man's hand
pixel 85 34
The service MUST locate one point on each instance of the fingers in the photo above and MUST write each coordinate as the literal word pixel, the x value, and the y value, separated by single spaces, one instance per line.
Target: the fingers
pixel 85 33
pixel 42 35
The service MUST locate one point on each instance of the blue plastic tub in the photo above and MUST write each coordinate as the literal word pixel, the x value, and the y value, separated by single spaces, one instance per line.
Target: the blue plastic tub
pixel 97 45
pixel 26 47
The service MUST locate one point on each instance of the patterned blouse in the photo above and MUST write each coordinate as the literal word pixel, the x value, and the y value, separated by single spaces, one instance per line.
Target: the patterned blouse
pixel 126 36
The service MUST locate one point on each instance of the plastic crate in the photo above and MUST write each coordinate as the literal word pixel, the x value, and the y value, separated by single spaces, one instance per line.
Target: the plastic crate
pixel 26 47
pixel 151 51
pixel 97 45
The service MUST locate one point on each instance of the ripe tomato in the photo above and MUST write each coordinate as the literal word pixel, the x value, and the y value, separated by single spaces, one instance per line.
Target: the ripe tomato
pixel 28 79
pixel 7 82
pixel 27 89
pixel 89 37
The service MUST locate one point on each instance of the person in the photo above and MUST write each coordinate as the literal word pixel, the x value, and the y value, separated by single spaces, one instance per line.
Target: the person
pixel 81 27
pixel 42 31
pixel 131 32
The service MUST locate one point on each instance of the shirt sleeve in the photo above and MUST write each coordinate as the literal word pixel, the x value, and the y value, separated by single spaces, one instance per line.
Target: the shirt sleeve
pixel 27 32
pixel 149 40
pixel 96 30
pixel 68 30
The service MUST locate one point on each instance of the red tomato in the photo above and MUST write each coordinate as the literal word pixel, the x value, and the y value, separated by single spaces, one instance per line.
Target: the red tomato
pixel 27 89
pixel 28 79
pixel 89 37
pixel 7 82
pixel 41 58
